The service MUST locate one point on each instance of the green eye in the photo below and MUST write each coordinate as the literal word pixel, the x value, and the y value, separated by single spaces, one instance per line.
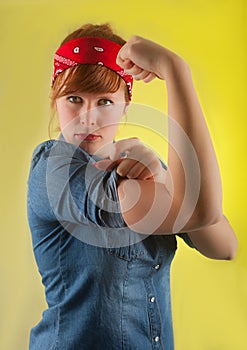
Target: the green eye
pixel 104 102
pixel 74 99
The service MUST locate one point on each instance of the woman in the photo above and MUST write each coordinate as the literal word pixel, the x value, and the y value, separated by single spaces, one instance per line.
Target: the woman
pixel 104 215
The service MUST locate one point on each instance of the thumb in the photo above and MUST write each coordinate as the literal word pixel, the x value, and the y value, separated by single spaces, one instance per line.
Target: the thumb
pixel 107 164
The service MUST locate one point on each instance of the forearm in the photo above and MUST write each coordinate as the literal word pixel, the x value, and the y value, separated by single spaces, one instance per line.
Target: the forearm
pixel 184 109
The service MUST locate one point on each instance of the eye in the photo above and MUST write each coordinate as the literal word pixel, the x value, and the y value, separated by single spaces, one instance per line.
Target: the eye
pixel 74 99
pixel 104 102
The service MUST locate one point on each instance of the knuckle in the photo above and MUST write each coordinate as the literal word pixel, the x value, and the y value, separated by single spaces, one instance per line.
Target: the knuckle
pixel 134 47
pixel 134 38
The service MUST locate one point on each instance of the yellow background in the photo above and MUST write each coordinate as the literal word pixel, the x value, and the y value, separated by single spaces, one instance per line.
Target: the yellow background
pixel 209 298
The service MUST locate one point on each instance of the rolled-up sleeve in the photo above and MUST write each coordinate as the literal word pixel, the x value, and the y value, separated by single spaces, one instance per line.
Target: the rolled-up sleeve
pixel 65 186
pixel 186 239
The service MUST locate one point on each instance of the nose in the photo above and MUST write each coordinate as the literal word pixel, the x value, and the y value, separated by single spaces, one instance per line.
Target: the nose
pixel 88 116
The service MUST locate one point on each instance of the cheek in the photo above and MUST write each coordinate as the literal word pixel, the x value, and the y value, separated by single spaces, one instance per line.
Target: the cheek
pixel 66 117
pixel 110 129
pixel 110 119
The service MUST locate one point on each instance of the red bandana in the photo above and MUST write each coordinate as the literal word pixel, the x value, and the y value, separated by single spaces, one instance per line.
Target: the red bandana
pixel 90 50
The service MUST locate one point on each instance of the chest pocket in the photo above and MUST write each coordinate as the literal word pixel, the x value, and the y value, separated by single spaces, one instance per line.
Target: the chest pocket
pixel 150 248
pixel 127 253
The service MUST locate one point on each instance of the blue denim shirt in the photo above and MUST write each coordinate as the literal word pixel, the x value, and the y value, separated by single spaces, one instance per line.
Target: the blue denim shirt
pixel 107 287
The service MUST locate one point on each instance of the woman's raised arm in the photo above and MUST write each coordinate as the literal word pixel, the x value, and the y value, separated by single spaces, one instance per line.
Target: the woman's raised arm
pixel 192 161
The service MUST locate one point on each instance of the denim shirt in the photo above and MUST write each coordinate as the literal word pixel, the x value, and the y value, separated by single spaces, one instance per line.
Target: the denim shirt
pixel 107 287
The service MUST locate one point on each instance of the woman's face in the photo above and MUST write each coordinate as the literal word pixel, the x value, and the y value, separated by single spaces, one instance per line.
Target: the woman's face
pixel 90 120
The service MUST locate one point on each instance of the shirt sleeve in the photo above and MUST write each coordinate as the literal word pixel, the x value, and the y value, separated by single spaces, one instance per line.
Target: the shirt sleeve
pixel 186 239
pixel 65 186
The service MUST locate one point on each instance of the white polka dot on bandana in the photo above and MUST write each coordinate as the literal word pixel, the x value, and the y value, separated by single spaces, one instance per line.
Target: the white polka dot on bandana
pixel 100 49
pixel 76 49
pixel 100 63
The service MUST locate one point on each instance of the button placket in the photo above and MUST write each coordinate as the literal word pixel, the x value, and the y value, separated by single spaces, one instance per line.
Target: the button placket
pixel 153 311
pixel 156 339
pixel 156 267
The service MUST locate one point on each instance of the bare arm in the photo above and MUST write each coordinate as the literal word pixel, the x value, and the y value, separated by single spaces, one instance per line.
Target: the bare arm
pixel 148 204
pixel 184 108
pixel 217 241
pixel 186 118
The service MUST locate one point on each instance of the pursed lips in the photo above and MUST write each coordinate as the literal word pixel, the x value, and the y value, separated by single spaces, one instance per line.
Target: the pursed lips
pixel 87 136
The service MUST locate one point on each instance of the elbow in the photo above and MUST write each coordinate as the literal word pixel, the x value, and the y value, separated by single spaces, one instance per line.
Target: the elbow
pixel 232 250
pixel 230 257
pixel 228 250
pixel 227 253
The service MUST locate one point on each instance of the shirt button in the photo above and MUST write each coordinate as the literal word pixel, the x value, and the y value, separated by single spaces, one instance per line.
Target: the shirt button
pixel 152 299
pixel 156 339
pixel 157 267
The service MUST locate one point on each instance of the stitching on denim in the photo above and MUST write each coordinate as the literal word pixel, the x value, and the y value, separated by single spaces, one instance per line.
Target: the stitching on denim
pixel 125 284
pixel 65 289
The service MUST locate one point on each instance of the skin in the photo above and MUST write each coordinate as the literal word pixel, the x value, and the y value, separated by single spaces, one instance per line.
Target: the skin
pixel 148 194
pixel 82 115
pixel 90 120
pixel 207 227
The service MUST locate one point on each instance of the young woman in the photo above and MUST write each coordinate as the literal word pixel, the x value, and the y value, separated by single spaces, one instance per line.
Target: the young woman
pixel 104 215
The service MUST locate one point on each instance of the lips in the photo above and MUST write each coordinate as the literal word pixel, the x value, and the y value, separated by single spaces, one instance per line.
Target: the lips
pixel 87 137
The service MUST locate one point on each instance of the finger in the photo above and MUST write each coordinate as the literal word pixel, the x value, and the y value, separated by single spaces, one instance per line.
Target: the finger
pixel 139 157
pixel 142 75
pixel 150 77
pixel 123 146
pixel 127 64
pixel 143 169
pixel 134 171
pixel 133 70
pixel 123 55
pixel 125 166
pixel 107 164
pixel 146 174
